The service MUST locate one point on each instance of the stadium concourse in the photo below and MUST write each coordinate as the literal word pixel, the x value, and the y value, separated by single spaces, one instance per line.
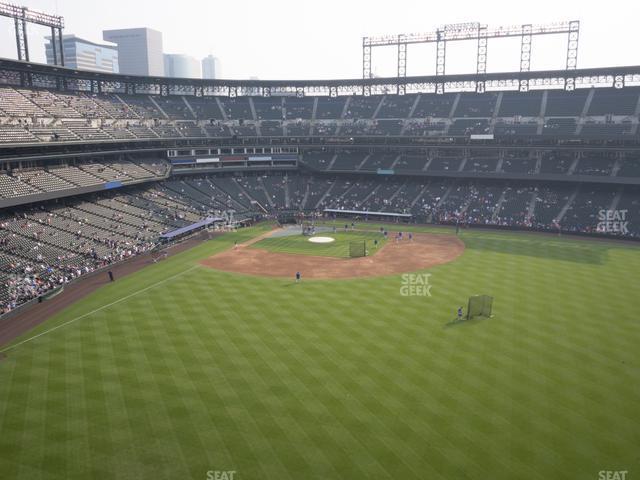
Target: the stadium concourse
pixel 94 173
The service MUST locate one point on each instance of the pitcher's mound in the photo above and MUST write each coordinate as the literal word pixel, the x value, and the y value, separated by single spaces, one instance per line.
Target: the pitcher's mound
pixel 425 251
pixel 321 239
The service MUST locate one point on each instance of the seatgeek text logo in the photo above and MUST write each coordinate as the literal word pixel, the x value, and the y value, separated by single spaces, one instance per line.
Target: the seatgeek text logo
pixel 415 285
pixel 613 221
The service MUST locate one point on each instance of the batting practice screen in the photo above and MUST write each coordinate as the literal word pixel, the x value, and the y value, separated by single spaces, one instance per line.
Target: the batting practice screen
pixel 479 306
pixel 358 249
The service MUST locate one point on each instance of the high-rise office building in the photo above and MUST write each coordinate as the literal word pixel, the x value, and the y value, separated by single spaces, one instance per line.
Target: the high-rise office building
pixel 181 66
pixel 139 50
pixel 84 54
pixel 210 67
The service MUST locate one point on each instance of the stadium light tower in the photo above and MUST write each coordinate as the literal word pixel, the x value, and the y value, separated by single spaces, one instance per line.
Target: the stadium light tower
pixel 22 16
pixel 471 31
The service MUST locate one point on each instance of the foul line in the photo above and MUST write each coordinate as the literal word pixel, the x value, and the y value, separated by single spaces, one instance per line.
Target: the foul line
pixel 11 347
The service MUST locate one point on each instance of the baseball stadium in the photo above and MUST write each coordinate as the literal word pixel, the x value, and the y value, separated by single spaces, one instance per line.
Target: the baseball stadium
pixel 387 277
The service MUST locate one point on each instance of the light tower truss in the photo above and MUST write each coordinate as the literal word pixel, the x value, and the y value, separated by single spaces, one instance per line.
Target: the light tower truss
pixel 472 31
pixel 22 16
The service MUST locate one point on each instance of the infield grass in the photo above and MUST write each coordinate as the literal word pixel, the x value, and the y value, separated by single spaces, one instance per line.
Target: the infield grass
pixel 178 370
pixel 300 244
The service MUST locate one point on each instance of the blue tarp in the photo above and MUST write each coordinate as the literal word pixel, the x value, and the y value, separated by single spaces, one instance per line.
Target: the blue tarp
pixel 190 228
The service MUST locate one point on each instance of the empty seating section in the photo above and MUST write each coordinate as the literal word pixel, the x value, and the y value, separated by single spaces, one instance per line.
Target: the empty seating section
pixel 514 209
pixel 559 126
pixel 394 106
pixel 481 165
pixel 411 162
pixel 56 105
pixel 142 106
pixel 362 107
pixel 520 165
pixel 471 105
pixel 445 164
pixel 606 129
pixel 348 160
pixel 174 107
pixel 16 134
pixel 299 108
pixel 381 161
pixel 299 128
pixel 614 102
pixel 237 108
pixel 330 108
pixel 386 127
pixel 434 106
pixel 595 163
pixel 189 129
pixel 205 109
pixel 269 108
pixel 516 104
pixel 11 187
pixel 505 128
pixel 469 127
pixel 557 162
pixel 563 103
pixel 630 166
pixel 271 128
pixel 43 180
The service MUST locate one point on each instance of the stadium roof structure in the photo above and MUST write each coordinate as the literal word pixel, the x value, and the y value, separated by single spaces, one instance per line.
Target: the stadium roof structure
pixel 31 75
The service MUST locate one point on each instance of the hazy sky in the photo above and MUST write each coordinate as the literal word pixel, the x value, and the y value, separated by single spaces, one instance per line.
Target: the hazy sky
pixel 291 39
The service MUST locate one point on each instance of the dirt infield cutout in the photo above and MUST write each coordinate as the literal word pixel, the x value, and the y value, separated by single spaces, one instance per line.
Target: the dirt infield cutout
pixel 424 251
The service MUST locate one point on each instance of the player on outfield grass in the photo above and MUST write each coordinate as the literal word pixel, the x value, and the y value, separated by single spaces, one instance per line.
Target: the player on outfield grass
pixel 459 313
pixel 298 276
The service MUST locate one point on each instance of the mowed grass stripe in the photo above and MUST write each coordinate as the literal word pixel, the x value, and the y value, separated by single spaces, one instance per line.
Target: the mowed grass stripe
pixel 341 379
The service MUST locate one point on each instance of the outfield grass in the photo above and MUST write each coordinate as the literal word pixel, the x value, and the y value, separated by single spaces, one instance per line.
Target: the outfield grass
pixel 300 244
pixel 178 370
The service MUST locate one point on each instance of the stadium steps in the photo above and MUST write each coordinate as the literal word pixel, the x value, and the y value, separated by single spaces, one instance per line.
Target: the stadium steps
pixel 567 205
pixel 423 190
pixel 397 192
pixel 190 191
pixel 325 195
pixel 573 166
pixel 263 187
pixel 361 164
pixel 532 203
pixel 130 110
pixel 189 107
pixel 395 161
pixel 538 164
pixel 345 108
pixel 240 206
pixel 463 163
pixel 333 160
pixel 370 194
pixel 377 110
pixel 616 198
pixel 543 112
pixel 616 167
pixel 287 199
pixel 500 162
pixel 315 109
pixel 253 111
pixel 305 197
pixel 251 198
pixel 157 105
pixel 222 112
pixel 496 109
pixel 414 106
pixel 496 212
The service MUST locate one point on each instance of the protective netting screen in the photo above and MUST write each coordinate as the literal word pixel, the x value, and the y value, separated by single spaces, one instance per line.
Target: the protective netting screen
pixel 479 306
pixel 358 249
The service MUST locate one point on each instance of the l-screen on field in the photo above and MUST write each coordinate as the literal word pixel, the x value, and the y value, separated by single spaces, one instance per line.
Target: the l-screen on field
pixel 182 368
